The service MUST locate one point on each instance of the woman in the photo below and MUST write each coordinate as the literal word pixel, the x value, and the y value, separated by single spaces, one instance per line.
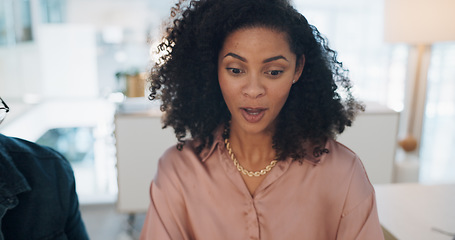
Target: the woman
pixel 256 87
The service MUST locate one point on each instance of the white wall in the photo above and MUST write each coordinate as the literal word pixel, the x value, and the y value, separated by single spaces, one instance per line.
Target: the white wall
pixel 61 62
pixel 68 60
pixel 20 71
pixel 134 17
pixel 64 64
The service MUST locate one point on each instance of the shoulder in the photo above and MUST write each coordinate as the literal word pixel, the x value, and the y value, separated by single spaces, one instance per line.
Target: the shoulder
pixel 17 146
pixel 339 156
pixel 188 157
pixel 344 166
pixel 27 155
pixel 175 157
pixel 339 151
pixel 178 162
pixel 177 172
pixel 351 169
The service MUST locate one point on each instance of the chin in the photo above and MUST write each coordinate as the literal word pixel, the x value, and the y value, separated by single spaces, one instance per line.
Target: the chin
pixel 256 128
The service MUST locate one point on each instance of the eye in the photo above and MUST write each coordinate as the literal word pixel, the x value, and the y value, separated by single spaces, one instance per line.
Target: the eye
pixel 234 71
pixel 274 73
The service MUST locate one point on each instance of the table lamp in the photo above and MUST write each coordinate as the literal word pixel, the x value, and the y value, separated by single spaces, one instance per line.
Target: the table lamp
pixel 419 23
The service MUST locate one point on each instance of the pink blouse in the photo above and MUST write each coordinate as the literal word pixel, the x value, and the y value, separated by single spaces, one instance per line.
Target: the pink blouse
pixel 204 197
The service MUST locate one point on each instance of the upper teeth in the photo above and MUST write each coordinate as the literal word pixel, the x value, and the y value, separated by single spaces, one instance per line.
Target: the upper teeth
pixel 253 111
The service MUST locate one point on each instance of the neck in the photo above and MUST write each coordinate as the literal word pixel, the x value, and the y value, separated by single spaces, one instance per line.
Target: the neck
pixel 254 150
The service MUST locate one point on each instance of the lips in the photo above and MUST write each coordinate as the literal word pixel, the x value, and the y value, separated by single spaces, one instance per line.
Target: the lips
pixel 253 115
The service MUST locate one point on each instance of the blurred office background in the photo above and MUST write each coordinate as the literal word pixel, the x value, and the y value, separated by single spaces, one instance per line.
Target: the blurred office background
pixel 60 62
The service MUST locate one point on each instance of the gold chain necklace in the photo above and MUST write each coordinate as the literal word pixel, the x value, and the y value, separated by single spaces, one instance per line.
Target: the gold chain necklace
pixel 243 170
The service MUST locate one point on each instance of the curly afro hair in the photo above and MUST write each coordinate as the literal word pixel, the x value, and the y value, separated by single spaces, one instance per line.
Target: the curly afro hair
pixel 185 78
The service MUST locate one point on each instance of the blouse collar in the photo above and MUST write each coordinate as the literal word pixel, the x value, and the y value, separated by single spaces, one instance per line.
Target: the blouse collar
pixel 219 142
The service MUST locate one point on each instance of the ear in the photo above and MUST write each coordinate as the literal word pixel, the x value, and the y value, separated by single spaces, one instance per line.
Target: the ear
pixel 299 67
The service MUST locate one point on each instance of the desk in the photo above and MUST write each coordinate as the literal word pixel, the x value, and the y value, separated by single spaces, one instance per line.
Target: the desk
pixel 417 212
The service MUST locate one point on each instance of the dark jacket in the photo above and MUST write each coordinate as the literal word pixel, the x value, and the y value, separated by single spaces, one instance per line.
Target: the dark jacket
pixel 37 193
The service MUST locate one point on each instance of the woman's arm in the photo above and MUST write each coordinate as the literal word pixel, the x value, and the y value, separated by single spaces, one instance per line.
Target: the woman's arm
pixel 360 216
pixel 167 216
pixel 361 222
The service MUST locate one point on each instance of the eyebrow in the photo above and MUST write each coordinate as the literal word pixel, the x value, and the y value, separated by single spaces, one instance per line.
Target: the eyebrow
pixel 265 61
pixel 274 58
pixel 236 56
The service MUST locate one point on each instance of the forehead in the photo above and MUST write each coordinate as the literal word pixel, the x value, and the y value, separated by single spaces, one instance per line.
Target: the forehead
pixel 257 39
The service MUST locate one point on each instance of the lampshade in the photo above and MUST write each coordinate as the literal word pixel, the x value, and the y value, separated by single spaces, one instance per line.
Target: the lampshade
pixel 419 21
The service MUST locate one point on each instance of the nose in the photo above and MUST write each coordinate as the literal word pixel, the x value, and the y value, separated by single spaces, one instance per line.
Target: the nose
pixel 253 87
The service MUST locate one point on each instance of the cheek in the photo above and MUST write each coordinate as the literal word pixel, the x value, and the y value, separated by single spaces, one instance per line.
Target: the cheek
pixel 222 82
pixel 227 90
pixel 229 85
pixel 280 96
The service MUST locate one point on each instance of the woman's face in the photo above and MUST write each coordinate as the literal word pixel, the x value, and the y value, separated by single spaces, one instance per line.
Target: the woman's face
pixel 255 70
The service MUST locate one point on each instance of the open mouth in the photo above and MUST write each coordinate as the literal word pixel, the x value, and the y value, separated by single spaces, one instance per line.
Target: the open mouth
pixel 253 115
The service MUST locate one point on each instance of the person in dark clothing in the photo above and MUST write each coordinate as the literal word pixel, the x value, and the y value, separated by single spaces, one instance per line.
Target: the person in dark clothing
pixel 38 197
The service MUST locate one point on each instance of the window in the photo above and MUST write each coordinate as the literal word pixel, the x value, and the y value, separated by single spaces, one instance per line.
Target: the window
pixel 437 163
pixel 53 11
pixel 354 30
pixel 378 70
pixel 15 22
